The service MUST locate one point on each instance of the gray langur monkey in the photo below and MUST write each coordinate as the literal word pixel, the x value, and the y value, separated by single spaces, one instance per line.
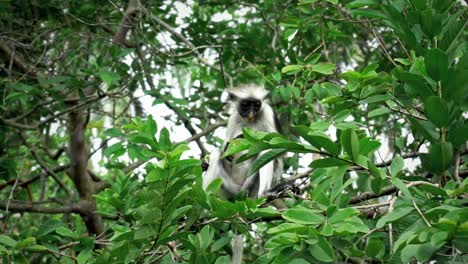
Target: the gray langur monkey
pixel 250 107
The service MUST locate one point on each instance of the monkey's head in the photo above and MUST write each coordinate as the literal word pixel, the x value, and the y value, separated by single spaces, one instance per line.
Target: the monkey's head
pixel 248 100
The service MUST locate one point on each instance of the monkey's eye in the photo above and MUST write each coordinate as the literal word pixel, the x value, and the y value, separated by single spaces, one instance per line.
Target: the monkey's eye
pixel 257 105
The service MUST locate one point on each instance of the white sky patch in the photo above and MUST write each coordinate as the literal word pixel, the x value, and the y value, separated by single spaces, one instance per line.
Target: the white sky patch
pixel 165 38
pixel 220 17
pixel 183 10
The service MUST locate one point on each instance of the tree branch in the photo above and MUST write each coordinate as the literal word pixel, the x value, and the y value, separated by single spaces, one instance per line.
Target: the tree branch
pixel 90 100
pixel 126 23
pixel 205 132
pixel 371 195
pixel 20 206
pixel 34 178
pixel 188 44
pixel 18 61
pixel 44 166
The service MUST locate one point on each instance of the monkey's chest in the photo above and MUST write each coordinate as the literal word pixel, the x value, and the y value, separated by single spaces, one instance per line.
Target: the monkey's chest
pixel 240 170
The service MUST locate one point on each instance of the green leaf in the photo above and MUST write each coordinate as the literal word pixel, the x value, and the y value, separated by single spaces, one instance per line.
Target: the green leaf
pixel 150 127
pixel 401 186
pixel 425 129
pixel 350 143
pixel 26 242
pixel 431 23
pixel 376 99
pixel 302 215
pixel 422 252
pixel 458 135
pixel 298 261
pixel 235 146
pixel 286 227
pixel 83 257
pixel 264 159
pixel 218 244
pixel 397 165
pixel 327 162
pixel 63 231
pixel 323 68
pixel 164 139
pixel 436 62
pixel 206 237
pixel 415 85
pixel 375 248
pixel 403 61
pixel 368 146
pixel 333 1
pixel 112 132
pixel 8 241
pixel 342 215
pixel 378 112
pixel 437 111
pixel 439 158
pixel 109 77
pixel 374 170
pixel 37 248
pixel 322 250
pixel 318 139
pixel 396 214
pixel 291 69
pixel 223 260
pixel 115 150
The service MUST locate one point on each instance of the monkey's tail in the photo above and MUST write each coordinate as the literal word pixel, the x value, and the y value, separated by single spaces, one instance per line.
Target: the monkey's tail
pixel 237 249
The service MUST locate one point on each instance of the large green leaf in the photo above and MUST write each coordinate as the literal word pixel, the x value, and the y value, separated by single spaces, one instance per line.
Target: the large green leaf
pixel 396 214
pixel 350 143
pixel 264 159
pixel 458 135
pixel 302 215
pixel 439 158
pixel 437 111
pixel 328 162
pixel 323 68
pixel 436 64
pixel 322 250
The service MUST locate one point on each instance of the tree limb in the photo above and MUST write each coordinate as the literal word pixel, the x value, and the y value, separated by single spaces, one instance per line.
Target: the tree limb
pixel 19 206
pixel 126 22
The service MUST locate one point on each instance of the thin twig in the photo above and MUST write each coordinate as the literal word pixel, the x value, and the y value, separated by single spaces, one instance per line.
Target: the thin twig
pixel 380 41
pixel 456 168
pixel 44 166
pixel 390 226
pixel 371 205
pixel 421 214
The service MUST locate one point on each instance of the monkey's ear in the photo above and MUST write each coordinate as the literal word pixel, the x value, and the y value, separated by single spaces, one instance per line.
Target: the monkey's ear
pixel 232 96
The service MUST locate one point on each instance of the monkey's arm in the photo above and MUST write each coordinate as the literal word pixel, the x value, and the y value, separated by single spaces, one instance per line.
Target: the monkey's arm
pixel 218 168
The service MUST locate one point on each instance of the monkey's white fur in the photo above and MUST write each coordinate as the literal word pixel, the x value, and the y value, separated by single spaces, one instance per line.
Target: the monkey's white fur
pixel 234 175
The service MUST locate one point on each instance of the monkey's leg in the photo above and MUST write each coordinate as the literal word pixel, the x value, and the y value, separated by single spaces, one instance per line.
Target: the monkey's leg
pixel 265 176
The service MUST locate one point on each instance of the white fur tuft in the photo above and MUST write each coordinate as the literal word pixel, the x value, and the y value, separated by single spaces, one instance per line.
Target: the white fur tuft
pixel 249 90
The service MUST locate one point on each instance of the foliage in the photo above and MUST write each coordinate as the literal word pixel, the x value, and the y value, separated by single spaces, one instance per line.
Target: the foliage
pixel 375 91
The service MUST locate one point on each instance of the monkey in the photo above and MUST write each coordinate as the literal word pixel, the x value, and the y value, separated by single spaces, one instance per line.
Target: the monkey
pixel 249 107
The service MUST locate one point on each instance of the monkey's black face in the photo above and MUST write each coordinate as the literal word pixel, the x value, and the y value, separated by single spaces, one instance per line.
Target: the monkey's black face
pixel 249 108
